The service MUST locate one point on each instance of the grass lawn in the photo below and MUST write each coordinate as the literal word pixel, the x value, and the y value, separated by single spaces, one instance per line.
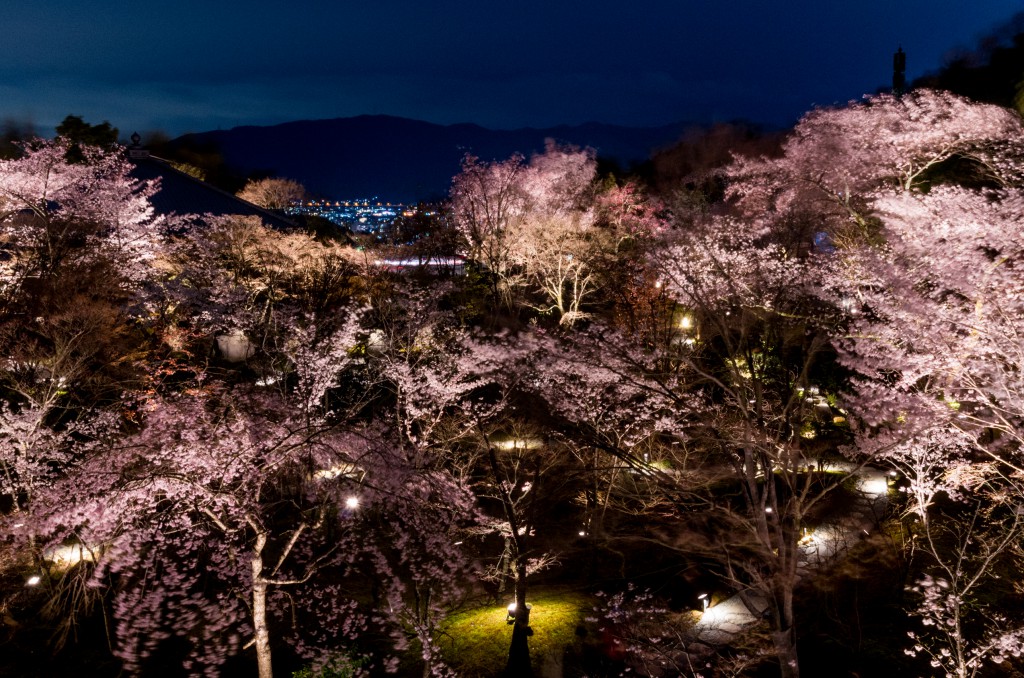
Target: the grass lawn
pixel 476 642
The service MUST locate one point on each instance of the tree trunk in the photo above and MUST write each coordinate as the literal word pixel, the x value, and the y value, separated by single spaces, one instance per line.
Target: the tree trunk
pixel 519 651
pixel 259 611
pixel 784 633
pixel 424 628
pixel 785 650
pixel 519 654
pixel 522 611
pixel 506 565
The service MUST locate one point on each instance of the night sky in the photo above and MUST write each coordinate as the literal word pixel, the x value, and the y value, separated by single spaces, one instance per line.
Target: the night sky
pixel 196 65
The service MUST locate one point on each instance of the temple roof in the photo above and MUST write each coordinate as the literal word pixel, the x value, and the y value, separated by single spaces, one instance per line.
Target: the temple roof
pixel 181 194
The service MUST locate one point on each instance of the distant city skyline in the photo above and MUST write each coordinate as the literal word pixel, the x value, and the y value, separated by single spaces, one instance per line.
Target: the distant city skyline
pixel 363 215
pixel 197 66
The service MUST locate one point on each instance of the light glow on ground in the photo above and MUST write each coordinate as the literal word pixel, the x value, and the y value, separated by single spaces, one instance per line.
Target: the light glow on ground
pixel 68 555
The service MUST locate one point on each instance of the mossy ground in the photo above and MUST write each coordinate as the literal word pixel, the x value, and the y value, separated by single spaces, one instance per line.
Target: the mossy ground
pixel 476 642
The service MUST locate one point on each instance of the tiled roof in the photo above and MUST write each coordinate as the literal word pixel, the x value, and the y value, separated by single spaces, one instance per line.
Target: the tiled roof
pixel 182 194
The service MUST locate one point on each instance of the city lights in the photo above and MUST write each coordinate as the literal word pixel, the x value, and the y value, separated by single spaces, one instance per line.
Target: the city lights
pixel 362 216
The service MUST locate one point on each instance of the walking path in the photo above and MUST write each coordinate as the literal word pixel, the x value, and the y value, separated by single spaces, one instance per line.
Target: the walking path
pixel 720 623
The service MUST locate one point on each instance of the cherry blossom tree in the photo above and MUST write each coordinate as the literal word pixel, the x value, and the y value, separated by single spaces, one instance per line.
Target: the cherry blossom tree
pixel 534 220
pixel 452 396
pixel 918 255
pixel 79 238
pixel 754 341
pixel 488 207
pixel 558 237
pixel 838 159
pixel 273 193
pixel 934 328
pixel 250 470
pixel 890 140
pixel 939 304
pixel 48 205
pixel 200 472
pixel 729 399
pixel 964 548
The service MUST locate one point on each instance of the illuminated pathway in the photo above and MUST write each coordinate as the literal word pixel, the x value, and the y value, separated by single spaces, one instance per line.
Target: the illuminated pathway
pixel 827 542
pixel 721 622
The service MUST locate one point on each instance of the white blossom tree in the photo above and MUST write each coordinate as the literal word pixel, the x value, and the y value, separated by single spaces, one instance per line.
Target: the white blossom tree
pixel 273 193
pixel 918 252
pixel 48 205
pixel 535 222
pixel 488 208
pixel 79 239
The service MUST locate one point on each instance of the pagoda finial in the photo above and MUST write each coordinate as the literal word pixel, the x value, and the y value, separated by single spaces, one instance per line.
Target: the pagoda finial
pixel 899 72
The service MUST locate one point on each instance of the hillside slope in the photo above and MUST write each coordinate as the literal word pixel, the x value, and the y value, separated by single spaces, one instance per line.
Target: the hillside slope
pixel 402 160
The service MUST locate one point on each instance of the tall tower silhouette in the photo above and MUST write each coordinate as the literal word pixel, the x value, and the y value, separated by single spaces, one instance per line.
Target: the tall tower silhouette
pixel 899 72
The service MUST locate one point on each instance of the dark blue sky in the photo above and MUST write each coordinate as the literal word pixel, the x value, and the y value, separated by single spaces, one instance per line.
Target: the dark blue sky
pixel 195 65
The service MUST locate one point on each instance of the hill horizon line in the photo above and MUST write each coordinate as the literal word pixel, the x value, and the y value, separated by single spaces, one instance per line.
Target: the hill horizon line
pixel 407 160
pixel 470 123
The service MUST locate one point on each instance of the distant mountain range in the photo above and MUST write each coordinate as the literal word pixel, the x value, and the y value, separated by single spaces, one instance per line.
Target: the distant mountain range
pixel 403 160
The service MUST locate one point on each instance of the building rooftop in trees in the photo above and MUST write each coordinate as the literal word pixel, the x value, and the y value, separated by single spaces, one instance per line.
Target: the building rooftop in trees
pixel 180 193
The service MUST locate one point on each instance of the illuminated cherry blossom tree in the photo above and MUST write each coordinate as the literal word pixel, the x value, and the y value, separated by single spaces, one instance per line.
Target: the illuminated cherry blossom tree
pixel 751 347
pixel 837 160
pixel 917 250
pixel 936 319
pixel 78 239
pixel 961 550
pixel 273 193
pixel 224 502
pixel 48 205
pixel 488 207
pixel 244 471
pixel 534 222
